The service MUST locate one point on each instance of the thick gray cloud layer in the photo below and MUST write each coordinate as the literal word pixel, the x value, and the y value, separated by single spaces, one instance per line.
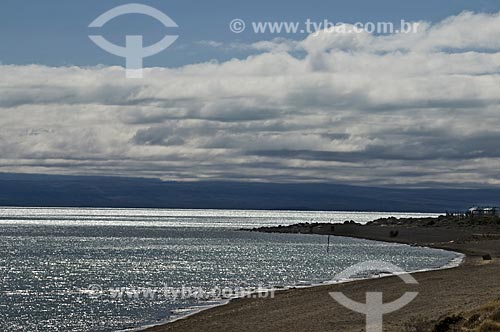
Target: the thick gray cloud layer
pixel 402 109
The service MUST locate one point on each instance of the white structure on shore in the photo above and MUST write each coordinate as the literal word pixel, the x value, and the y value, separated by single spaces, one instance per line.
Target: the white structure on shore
pixel 484 211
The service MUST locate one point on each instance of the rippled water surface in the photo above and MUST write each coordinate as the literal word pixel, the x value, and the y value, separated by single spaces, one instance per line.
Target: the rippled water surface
pixel 53 262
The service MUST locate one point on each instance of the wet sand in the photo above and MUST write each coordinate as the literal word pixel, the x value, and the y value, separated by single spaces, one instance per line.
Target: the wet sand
pixel 441 293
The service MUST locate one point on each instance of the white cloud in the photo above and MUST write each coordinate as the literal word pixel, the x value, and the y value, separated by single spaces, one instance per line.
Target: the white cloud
pixel 409 108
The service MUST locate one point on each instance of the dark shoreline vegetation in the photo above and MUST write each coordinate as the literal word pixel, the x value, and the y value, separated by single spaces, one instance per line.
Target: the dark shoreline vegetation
pixel 445 232
pixel 459 233
pixel 465 298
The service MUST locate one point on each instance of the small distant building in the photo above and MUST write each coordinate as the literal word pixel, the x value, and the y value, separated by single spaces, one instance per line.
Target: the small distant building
pixel 484 211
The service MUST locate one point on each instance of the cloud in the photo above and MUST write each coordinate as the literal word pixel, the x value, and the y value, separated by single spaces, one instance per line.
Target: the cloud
pixel 358 108
pixel 211 43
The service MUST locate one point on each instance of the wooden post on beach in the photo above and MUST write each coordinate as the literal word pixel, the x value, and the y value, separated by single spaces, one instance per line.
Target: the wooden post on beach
pixel 328 247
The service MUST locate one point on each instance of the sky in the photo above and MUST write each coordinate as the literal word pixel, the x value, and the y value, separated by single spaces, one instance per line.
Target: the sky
pixel 54 32
pixel 416 109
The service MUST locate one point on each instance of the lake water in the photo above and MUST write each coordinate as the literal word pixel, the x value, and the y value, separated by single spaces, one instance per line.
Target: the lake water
pixel 113 269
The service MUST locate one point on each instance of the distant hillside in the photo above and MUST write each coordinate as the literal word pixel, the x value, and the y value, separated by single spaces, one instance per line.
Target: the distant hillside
pixel 47 190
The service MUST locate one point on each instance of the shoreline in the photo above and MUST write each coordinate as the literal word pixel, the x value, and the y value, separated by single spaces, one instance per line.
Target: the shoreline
pixel 452 264
pixel 463 257
pixel 441 292
pixel 152 327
